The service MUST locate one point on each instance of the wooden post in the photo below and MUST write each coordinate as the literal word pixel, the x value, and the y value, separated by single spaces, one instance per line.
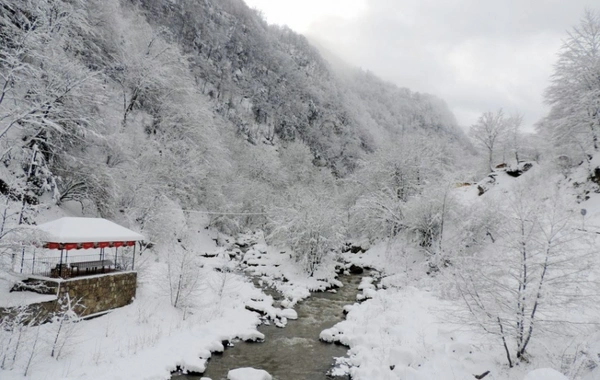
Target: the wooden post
pixel 22 259
pixel 60 264
pixel 133 260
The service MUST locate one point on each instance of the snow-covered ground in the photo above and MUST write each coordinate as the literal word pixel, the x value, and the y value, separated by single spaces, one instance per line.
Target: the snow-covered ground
pixel 149 338
pixel 399 331
pixel 145 340
pixel 398 334
pixel 406 328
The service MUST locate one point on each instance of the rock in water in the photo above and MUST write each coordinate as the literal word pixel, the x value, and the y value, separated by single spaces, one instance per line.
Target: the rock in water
pixel 248 374
pixel 355 269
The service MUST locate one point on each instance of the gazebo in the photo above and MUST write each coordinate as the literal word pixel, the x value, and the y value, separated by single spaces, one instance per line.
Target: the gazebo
pixel 74 233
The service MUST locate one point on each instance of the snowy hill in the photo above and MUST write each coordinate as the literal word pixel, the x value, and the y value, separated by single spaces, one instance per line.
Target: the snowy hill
pixel 446 325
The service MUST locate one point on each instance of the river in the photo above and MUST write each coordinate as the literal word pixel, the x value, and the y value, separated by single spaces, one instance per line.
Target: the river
pixel 293 352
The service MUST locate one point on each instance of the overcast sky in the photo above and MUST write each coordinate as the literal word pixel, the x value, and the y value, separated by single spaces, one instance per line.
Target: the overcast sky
pixel 477 55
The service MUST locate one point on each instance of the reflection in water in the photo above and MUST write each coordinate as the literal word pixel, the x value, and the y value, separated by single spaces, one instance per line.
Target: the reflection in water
pixel 293 352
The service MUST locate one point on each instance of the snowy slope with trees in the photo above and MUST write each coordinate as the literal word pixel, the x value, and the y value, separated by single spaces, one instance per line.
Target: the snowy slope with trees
pixel 519 272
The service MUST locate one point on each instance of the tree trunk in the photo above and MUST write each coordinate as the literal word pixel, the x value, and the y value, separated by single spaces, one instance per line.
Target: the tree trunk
pixel 510 363
pixel 535 305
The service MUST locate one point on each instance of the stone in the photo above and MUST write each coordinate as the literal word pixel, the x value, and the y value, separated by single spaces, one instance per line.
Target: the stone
pixel 357 249
pixel 355 269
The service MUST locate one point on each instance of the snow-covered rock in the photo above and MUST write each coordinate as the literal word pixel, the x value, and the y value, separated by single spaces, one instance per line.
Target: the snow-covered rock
pixel 328 335
pixel 366 283
pixel 248 374
pixel 252 335
pixel 288 313
pixel 369 293
pixel 545 374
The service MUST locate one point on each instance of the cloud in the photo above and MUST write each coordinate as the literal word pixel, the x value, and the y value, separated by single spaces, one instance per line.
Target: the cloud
pixel 476 55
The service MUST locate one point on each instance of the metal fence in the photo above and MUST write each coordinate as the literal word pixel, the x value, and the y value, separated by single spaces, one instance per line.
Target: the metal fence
pixel 49 265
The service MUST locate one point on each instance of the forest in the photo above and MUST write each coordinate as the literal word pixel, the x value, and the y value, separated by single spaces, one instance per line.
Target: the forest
pixel 189 118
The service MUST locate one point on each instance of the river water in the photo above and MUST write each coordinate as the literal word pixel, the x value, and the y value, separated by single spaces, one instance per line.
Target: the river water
pixel 293 352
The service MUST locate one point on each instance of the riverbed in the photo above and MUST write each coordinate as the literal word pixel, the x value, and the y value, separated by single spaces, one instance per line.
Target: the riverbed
pixel 293 352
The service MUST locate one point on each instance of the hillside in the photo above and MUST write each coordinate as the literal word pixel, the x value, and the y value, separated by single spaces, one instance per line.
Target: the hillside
pixel 182 99
pixel 269 81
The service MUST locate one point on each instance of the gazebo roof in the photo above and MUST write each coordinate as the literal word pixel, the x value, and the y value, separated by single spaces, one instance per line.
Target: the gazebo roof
pixel 87 230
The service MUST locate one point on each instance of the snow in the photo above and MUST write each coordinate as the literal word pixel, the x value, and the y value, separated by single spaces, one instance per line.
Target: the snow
pixel 12 299
pixel 278 269
pixel 289 314
pixel 250 335
pixel 400 333
pixel 83 230
pixel 248 374
pixel 498 182
pixel 545 374
pixel 366 283
pixel 137 342
pixel 149 338
pixel 409 327
pixel 591 221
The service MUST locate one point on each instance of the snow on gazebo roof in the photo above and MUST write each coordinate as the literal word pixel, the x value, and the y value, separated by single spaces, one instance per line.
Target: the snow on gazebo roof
pixel 87 230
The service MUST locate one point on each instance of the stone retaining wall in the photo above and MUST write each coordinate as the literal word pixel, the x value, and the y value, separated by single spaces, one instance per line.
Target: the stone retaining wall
pixel 93 294
pixel 100 293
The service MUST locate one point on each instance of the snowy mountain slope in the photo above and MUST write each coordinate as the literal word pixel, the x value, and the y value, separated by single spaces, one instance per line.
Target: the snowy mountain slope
pixel 202 103
pixel 271 80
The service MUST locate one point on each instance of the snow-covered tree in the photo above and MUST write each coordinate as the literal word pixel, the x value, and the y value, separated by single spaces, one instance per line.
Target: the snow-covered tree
pixel 574 120
pixel 44 91
pixel 311 225
pixel 522 284
pixel 65 323
pixel 393 175
pixel 515 137
pixel 488 132
pixel 166 222
pixel 426 216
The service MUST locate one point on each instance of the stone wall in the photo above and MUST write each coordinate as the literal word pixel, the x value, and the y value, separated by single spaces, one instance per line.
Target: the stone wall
pixel 94 294
pixel 100 293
